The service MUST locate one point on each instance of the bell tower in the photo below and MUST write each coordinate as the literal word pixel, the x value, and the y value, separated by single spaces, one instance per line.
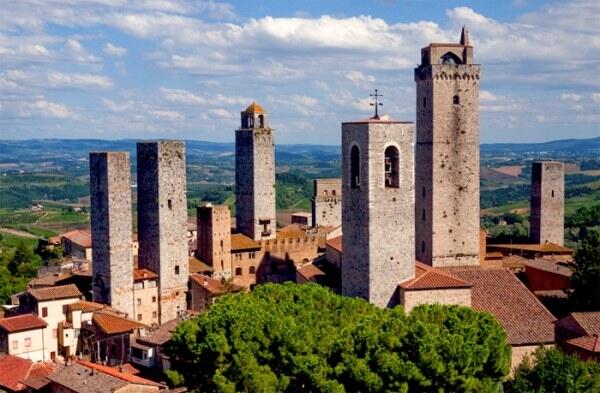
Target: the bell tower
pixel 447 155
pixel 255 175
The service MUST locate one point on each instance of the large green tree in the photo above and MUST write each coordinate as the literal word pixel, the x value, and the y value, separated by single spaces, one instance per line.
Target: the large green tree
pixel 292 338
pixel 585 280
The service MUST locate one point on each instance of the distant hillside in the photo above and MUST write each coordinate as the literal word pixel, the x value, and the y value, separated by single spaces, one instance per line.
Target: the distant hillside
pixel 591 145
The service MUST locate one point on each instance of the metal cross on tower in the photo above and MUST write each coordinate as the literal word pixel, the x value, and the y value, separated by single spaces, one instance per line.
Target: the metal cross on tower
pixel 376 104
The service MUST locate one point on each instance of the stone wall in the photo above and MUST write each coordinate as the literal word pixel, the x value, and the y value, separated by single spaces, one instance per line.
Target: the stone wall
pixel 378 221
pixel 447 164
pixel 214 238
pixel 112 267
pixel 146 305
pixel 162 221
pixel 451 296
pixel 520 351
pixel 548 202
pixel 327 202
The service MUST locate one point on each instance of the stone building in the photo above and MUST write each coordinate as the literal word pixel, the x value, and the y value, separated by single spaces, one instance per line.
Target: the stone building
pixel 255 175
pixel 162 221
pixel 214 238
pixel 327 202
pixel 145 293
pixel 447 155
pixel 377 208
pixel 112 267
pixel 547 202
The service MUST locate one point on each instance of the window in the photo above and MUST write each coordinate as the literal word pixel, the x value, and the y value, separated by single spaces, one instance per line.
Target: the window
pixel 392 167
pixel 27 342
pixel 139 302
pixel 52 355
pixel 15 345
pixel 423 215
pixel 138 285
pixel 151 284
pixel 456 100
pixel 424 102
pixel 354 167
pixel 139 317
pixel 153 299
pixel 238 271
pixel 333 192
pixel 177 270
pixel 449 58
pixel 64 309
pixel 221 245
pixel 252 270
pixel 170 204
pixel 552 193
pixel 44 312
pixel 154 314
pixel 54 333
pixel 424 192
pixel 261 121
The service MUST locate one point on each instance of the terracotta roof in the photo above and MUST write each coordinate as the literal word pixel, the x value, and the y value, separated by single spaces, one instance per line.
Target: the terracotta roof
pixel 143 274
pixel 427 277
pixel 111 323
pixel 85 306
pixel 54 293
pixel 48 279
pixel 22 323
pixel 197 266
pixel 589 321
pixel 213 285
pixel 241 242
pixel 79 378
pixel 13 370
pixel 549 266
pixel 118 374
pixel 160 335
pixel 38 375
pixel 542 248
pixel 335 243
pixel 589 343
pixel 254 108
pixel 80 237
pixel 493 255
pixel 127 368
pixel 309 271
pixel 521 314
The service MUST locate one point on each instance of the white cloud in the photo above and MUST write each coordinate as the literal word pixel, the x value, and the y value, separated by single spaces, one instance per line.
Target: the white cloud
pixel 167 115
pixel 485 95
pixel 79 81
pixel 113 50
pixel 357 76
pixel 181 96
pixel 571 97
pixel 221 113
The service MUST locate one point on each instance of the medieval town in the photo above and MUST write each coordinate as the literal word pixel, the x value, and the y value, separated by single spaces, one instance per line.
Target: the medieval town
pixel 400 228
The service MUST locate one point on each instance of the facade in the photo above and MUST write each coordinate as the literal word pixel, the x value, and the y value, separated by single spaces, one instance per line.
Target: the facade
pixel 255 175
pixel 112 269
pixel 145 293
pixel 327 202
pixel 377 209
pixel 204 290
pixel 23 336
pixel 162 221
pixel 578 334
pixel 302 219
pixel 548 202
pixel 214 238
pixel 447 155
pixel 77 244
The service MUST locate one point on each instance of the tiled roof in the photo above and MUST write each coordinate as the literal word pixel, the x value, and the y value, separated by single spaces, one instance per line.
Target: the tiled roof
pixel 118 374
pixel 110 323
pixel 13 370
pixel 213 285
pixel 427 277
pixel 542 248
pixel 79 378
pixel 38 375
pixel 22 323
pixel 143 274
pixel 48 279
pixel 309 271
pixel 499 292
pixel 241 242
pixel 85 306
pixel 80 237
pixel 335 243
pixel 589 343
pixel 589 321
pixel 160 335
pixel 197 266
pixel 54 293
pixel 127 368
pixel 254 108
pixel 549 266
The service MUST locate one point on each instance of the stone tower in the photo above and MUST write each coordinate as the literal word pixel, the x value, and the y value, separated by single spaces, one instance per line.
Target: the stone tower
pixel 162 221
pixel 255 175
pixel 214 238
pixel 327 202
pixel 377 209
pixel 447 155
pixel 548 202
pixel 112 267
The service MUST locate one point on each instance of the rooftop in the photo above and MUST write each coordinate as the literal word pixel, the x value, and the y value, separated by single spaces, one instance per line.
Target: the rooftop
pixel 160 335
pixel 49 279
pixel 13 370
pixel 241 242
pixel 589 343
pixel 309 271
pixel 549 266
pixel 85 306
pixel 111 323
pixel 335 243
pixel 124 376
pixel 589 321
pixel 22 323
pixel 499 292
pixel 254 108
pixel 213 285
pixel 197 266
pixel 55 293
pixel 143 274
pixel 541 248
pixel 80 237
pixel 427 277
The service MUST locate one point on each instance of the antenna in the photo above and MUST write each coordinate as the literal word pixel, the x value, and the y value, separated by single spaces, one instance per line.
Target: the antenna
pixel 376 104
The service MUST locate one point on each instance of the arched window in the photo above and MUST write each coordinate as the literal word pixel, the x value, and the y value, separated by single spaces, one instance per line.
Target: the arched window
pixel 252 270
pixel 449 58
pixel 354 167
pixel 238 271
pixel 392 167
pixel 261 121
pixel 456 100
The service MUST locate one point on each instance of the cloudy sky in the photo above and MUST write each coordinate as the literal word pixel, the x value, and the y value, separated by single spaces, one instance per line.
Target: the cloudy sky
pixel 185 69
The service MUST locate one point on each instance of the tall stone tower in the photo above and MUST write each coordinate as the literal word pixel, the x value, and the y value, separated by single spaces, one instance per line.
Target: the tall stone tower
pixel 327 202
pixel 162 221
pixel 377 209
pixel 548 202
pixel 112 267
pixel 214 238
pixel 255 175
pixel 447 155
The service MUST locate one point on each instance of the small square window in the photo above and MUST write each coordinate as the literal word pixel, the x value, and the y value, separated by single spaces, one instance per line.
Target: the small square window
pixel 15 345
pixel 153 299
pixel 27 342
pixel 177 270
pixel 139 302
pixel 139 317
pixel 154 314
pixel 44 312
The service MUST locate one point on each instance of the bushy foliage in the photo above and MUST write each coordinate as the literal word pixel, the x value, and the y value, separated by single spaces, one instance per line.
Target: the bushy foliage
pixel 290 338
pixel 555 372
pixel 17 267
pixel 586 277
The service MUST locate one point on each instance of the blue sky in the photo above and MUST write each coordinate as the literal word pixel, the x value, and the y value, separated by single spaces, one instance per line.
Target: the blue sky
pixel 185 69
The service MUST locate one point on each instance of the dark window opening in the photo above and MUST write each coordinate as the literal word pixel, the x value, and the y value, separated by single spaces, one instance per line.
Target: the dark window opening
pixel 423 246
pixel 44 312
pixel 170 204
pixel 221 245
pixel 354 167
pixel 552 193
pixel 392 167
pixel 449 58
pixel 456 100
pixel 333 192
pixel 424 102
pixel 423 215
pixel 238 271
pixel 252 270
pixel 265 224
pixel 424 192
pixel 261 121
pixel 177 269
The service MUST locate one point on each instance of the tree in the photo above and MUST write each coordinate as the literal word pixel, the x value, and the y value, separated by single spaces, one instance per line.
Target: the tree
pixel 585 280
pixel 555 371
pixel 290 338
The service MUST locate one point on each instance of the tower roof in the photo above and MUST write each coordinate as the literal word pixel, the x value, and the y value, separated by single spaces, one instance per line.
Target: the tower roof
pixel 254 108
pixel 464 36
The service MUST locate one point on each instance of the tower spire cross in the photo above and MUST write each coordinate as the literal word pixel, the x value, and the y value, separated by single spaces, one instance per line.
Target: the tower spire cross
pixel 376 104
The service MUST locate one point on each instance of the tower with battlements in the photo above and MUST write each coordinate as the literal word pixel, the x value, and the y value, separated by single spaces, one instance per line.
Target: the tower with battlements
pixel 112 267
pixel 327 202
pixel 548 202
pixel 447 155
pixel 377 209
pixel 214 238
pixel 162 221
pixel 255 175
